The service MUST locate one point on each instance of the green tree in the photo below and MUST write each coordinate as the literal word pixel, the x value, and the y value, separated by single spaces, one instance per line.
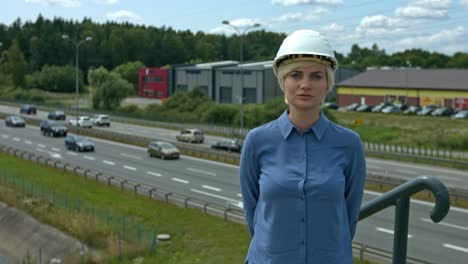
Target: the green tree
pixel 15 65
pixel 129 72
pixel 108 89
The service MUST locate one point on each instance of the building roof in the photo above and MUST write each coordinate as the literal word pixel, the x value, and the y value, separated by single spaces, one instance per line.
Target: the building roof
pixel 208 65
pixel 257 65
pixel 436 79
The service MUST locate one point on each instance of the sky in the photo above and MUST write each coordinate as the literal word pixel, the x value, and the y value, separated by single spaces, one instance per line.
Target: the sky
pixel 394 25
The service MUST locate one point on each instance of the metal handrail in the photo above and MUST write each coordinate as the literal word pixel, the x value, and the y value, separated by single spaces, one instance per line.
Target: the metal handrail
pixel 400 197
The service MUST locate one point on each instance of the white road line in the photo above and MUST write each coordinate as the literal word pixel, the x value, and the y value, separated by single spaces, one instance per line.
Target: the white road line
pixel 28 142
pixel 202 171
pixel 240 195
pixel 88 157
pixel 455 247
pixel 130 156
pixel 388 231
pixel 5 136
pixel 41 145
pixel 446 224
pixel 154 173
pixel 56 149
pixel 72 153
pixel 108 162
pixel 211 188
pixel 17 139
pixel 180 180
pixel 235 202
pixel 129 168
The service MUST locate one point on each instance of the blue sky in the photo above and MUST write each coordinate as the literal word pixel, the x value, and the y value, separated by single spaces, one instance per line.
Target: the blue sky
pixel 395 25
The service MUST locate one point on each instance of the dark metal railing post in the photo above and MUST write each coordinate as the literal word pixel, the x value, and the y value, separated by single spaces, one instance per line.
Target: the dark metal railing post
pixel 400 239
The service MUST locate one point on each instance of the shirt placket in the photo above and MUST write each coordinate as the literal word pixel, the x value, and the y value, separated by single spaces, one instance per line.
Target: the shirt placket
pixel 302 199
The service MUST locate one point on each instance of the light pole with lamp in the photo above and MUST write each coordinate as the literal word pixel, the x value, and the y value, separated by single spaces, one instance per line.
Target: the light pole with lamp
pixel 77 45
pixel 241 59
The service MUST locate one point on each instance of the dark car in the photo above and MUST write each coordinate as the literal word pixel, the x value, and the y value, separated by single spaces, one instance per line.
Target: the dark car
pixel 228 145
pixel 330 105
pixel 364 108
pixel 56 115
pixel 352 107
pixel 14 121
pixel 28 109
pixel 378 108
pixel 53 128
pixel 442 111
pixel 163 150
pixel 79 143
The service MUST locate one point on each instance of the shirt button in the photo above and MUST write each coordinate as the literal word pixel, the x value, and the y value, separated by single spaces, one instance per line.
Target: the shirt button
pixel 303 220
pixel 302 242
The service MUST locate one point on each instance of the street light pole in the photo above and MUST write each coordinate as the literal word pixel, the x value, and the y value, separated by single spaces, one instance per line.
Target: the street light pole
pixel 77 45
pixel 241 69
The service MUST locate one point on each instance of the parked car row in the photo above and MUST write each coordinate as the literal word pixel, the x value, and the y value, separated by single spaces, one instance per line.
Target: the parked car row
pixel 406 109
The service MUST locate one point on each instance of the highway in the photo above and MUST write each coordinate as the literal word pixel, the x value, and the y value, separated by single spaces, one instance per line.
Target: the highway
pixel 214 182
pixel 446 242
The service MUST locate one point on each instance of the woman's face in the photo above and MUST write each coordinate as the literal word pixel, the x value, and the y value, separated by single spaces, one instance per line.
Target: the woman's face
pixel 305 87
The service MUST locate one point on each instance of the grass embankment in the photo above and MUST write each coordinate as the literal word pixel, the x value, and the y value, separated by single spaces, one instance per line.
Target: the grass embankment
pixel 195 237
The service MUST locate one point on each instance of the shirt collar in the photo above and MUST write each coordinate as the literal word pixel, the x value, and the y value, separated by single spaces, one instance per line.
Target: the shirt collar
pixel 319 128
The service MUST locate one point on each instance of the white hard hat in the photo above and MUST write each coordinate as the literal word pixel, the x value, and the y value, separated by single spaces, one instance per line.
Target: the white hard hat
pixel 305 45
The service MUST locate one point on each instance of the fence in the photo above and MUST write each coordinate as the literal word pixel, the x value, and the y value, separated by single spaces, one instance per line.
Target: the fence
pixel 226 211
pixel 129 232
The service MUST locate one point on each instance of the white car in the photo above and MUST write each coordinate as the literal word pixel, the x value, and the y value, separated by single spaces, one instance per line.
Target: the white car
pixel 81 121
pixel 101 120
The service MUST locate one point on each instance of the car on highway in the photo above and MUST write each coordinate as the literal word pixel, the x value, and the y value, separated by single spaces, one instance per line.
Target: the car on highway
pixel 53 128
pixel 231 145
pixel 191 135
pixel 79 143
pixel 426 110
pixel 330 105
pixel 442 111
pixel 81 121
pixel 163 150
pixel 56 115
pixel 28 109
pixel 14 121
pixel 101 120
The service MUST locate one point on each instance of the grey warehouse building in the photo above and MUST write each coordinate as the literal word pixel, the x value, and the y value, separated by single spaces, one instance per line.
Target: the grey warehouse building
pixel 221 81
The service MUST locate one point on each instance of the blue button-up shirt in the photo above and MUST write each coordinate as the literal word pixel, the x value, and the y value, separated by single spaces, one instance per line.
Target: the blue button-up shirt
pixel 302 192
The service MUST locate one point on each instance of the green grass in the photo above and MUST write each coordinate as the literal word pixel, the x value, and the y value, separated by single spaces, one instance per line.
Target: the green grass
pixel 196 237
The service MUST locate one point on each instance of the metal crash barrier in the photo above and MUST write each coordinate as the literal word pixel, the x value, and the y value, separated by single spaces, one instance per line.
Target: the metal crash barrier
pixel 400 197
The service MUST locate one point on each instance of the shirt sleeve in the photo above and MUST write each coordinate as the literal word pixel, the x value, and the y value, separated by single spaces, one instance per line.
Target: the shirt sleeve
pixel 249 176
pixel 355 180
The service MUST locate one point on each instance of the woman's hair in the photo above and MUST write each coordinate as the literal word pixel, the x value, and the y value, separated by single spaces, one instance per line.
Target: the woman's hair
pixel 283 71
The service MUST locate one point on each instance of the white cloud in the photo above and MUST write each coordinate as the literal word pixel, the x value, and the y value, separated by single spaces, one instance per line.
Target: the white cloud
pixel 62 3
pixel 445 41
pixel 301 16
pixel 332 28
pixel 464 3
pixel 124 15
pixel 432 3
pixel 416 12
pixel 107 2
pixel 306 2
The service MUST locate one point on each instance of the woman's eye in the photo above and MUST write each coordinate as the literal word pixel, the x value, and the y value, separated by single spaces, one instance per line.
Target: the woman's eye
pixel 317 77
pixel 295 75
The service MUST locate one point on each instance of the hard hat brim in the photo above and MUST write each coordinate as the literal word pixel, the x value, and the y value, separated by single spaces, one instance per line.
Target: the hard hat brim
pixel 290 58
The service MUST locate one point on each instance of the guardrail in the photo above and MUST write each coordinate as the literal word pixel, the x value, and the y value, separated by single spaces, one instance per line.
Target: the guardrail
pixel 228 212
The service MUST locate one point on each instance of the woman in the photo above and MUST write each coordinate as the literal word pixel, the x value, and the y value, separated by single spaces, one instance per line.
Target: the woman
pixel 302 176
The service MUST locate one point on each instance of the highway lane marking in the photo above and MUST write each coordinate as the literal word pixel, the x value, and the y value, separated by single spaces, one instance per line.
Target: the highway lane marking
pixel 446 224
pixel 129 168
pixel 130 156
pixel 455 247
pixel 388 231
pixel 108 162
pixel 232 201
pixel 17 139
pixel 5 136
pixel 180 180
pixel 413 166
pixel 154 173
pixel 72 153
pixel 211 188
pixel 28 142
pixel 56 149
pixel 240 195
pixel 88 157
pixel 41 145
pixel 202 171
